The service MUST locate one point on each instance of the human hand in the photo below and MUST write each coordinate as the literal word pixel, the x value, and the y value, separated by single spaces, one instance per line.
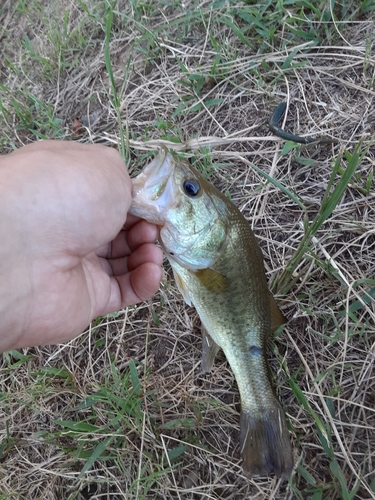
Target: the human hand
pixel 68 252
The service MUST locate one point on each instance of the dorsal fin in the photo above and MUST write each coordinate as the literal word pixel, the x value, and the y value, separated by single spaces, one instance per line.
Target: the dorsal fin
pixel 277 317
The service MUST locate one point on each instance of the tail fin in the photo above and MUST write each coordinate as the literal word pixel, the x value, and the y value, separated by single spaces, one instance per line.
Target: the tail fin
pixel 265 443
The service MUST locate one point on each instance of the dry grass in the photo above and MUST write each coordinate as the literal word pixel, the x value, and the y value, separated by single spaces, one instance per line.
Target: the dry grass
pixel 134 377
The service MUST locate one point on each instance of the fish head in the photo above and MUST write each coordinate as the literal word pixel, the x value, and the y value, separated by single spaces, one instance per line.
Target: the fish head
pixel 169 192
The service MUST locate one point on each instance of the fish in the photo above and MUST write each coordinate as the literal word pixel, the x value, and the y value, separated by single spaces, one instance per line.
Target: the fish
pixel 218 267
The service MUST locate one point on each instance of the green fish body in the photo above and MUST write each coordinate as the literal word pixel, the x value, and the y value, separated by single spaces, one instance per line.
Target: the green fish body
pixel 218 267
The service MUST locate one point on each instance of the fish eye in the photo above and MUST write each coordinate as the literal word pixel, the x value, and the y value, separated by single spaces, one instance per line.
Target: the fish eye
pixel 191 187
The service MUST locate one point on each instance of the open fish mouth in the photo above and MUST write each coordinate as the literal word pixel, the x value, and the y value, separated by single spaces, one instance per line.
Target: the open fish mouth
pixel 153 189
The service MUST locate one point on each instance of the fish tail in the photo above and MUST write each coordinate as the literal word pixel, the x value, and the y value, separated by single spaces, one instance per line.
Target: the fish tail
pixel 265 443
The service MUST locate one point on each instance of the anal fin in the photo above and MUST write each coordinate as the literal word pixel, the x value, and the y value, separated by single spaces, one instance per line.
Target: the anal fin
pixel 209 351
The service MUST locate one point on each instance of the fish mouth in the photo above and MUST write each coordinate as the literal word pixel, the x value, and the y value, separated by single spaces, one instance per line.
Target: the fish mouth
pixel 153 189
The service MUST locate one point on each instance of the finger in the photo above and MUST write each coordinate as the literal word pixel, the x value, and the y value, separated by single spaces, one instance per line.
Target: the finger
pixel 144 281
pixel 142 232
pixel 131 220
pixel 134 287
pixel 145 253
pixel 148 252
pixel 128 240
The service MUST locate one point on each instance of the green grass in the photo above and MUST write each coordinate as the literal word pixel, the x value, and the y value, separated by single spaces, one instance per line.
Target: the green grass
pixel 330 201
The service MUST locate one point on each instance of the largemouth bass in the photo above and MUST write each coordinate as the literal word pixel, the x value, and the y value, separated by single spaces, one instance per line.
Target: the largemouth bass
pixel 218 267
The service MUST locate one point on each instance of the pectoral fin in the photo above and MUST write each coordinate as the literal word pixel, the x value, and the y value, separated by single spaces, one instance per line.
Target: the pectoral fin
pixel 182 287
pixel 277 317
pixel 209 351
pixel 212 280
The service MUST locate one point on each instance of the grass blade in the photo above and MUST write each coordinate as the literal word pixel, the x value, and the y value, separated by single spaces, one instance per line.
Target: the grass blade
pixel 115 100
pixel 284 282
pixel 96 454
